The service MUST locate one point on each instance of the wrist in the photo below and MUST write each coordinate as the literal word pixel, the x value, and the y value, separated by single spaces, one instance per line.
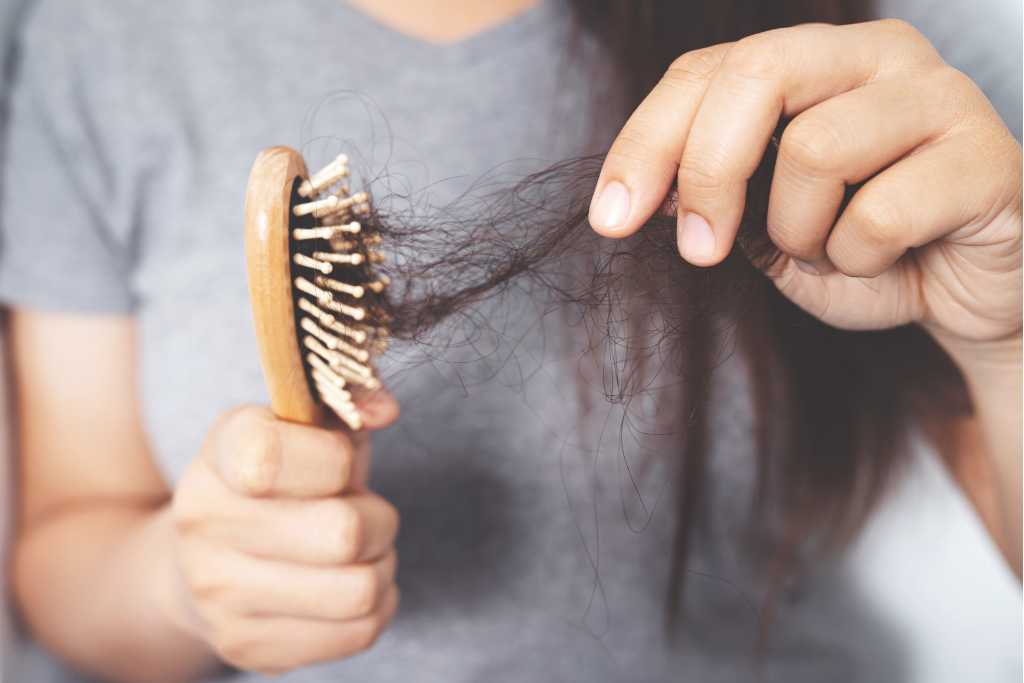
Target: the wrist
pixel 172 596
pixel 173 603
pixel 984 362
pixel 992 371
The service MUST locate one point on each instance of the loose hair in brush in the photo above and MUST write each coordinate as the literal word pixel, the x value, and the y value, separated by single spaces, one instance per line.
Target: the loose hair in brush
pixel 315 291
pixel 831 406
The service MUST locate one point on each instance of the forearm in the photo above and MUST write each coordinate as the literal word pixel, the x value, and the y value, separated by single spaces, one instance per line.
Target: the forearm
pixel 96 584
pixel 993 375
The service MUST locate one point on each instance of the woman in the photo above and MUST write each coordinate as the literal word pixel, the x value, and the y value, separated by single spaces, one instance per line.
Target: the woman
pixel 169 528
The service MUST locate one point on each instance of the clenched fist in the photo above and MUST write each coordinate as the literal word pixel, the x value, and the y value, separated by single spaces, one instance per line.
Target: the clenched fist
pixel 284 558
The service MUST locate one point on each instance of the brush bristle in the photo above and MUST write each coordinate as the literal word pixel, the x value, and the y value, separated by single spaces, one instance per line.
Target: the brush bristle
pixel 337 288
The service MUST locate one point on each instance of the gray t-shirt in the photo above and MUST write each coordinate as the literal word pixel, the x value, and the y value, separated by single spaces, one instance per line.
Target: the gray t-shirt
pixel 533 546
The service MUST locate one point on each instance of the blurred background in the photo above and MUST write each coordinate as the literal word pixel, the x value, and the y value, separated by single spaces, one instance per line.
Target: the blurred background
pixel 924 565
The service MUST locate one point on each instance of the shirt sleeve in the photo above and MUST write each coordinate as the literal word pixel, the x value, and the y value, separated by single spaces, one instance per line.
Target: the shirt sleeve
pixel 59 248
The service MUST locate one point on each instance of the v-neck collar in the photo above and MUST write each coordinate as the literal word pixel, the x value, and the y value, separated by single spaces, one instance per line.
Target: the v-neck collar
pixel 544 16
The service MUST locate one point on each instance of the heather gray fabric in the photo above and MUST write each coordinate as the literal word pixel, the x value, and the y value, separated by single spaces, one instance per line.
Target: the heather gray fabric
pixel 526 553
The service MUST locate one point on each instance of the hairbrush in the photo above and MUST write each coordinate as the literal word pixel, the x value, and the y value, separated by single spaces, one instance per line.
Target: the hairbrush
pixel 314 285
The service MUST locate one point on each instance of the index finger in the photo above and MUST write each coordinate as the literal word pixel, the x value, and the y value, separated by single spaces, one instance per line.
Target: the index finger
pixel 765 77
pixel 716 127
pixel 641 164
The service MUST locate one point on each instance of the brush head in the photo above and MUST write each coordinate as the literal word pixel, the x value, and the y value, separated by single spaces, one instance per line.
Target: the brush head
pixel 316 290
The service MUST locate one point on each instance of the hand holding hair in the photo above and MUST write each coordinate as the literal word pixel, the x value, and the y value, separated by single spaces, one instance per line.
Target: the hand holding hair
pixel 284 558
pixel 932 236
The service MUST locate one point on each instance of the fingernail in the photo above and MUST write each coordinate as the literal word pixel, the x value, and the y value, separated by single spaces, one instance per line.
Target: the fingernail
pixel 611 207
pixel 807 267
pixel 696 241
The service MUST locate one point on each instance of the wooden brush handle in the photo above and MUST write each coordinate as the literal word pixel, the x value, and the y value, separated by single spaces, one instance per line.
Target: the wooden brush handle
pixel 267 224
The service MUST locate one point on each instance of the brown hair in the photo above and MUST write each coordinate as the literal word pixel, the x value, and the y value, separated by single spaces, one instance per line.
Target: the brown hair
pixel 832 407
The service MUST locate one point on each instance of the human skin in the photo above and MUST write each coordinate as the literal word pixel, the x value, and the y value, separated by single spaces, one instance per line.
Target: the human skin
pixel 268 554
pixel 98 527
pixel 932 237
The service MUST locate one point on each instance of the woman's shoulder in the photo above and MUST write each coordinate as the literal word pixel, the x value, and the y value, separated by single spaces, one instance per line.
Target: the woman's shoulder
pixel 63 42
pixel 115 67
pixel 106 38
pixel 66 23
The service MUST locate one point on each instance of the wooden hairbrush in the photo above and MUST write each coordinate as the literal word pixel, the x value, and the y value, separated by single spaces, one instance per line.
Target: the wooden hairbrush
pixel 314 286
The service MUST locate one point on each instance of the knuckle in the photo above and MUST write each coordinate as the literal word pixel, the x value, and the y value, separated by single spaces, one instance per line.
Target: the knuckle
pixel 812 144
pixel 242 415
pixel 195 499
pixel 876 221
pixel 187 514
pixel 953 79
pixel 907 35
pixel 961 98
pixel 702 172
pixel 271 670
pixel 340 450
pixel 207 586
pixel 633 147
pixel 335 440
pixel 256 456
pixel 790 240
pixel 838 253
pixel 899 27
pixel 391 516
pixel 367 590
pixel 249 653
pixel 1005 192
pixel 338 444
pixel 395 521
pixel 236 651
pixel 693 68
pixel 754 57
pixel 369 632
pixel 349 532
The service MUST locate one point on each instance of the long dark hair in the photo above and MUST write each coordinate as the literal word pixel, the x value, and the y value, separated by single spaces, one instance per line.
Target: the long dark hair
pixel 832 407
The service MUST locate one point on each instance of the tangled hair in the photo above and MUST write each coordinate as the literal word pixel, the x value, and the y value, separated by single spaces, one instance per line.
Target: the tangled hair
pixel 832 407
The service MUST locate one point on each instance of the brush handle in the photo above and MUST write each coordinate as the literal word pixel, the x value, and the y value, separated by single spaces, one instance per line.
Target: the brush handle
pixel 268 256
